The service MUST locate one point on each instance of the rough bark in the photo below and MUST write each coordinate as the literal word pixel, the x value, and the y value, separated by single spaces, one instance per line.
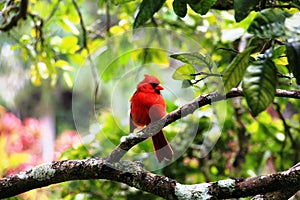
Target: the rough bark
pixel 133 174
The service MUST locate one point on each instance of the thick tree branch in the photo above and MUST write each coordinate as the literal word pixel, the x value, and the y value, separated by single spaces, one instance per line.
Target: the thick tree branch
pixel 133 174
pixel 135 138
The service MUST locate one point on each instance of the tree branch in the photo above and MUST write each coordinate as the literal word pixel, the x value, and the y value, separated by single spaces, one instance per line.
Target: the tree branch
pixel 14 20
pixel 85 46
pixel 133 174
pixel 135 138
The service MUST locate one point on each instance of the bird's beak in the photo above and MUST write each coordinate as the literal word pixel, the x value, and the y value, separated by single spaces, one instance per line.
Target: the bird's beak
pixel 159 87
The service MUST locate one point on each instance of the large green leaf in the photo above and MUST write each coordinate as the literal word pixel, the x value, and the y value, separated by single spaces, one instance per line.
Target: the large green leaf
pixel 196 59
pixel 269 23
pixel 146 11
pixel 234 72
pixel 243 7
pixel 202 6
pixel 259 85
pixel 184 72
pixel 293 54
pixel 180 7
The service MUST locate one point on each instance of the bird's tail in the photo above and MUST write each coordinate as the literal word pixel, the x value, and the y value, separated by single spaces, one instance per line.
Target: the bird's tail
pixel 161 146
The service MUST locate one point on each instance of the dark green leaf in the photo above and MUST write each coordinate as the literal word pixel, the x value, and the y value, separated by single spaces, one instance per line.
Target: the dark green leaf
pixel 146 11
pixel 196 59
pixel 180 7
pixel 234 72
pixel 293 54
pixel 269 23
pixel 243 7
pixel 259 85
pixel 184 72
pixel 202 6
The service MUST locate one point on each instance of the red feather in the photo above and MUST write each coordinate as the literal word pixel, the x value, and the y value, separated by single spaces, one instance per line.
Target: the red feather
pixel 148 105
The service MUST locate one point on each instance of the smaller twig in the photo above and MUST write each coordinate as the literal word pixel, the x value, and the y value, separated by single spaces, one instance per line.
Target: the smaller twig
pixel 280 75
pixel 84 37
pixel 85 46
pixel 279 42
pixel 53 11
pixel 38 25
pixel 206 75
pixel 108 18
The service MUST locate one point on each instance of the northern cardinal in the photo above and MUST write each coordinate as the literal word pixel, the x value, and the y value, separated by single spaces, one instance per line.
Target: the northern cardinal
pixel 148 105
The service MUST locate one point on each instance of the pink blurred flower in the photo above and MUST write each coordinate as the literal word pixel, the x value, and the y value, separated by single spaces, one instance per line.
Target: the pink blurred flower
pixel 9 123
pixel 68 139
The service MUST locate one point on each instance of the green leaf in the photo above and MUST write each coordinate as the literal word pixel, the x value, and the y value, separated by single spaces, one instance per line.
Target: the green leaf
pixel 196 59
pixel 180 7
pixel 186 84
pixel 242 8
pixel 235 71
pixel 201 7
pixel 146 11
pixel 184 72
pixel 293 54
pixel 259 85
pixel 69 44
pixel 68 79
pixel 117 2
pixel 269 23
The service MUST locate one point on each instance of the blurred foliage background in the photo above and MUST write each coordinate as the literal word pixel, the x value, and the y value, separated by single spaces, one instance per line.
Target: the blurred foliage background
pixel 51 58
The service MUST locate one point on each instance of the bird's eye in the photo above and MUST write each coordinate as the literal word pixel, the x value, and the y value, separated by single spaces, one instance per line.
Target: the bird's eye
pixel 154 85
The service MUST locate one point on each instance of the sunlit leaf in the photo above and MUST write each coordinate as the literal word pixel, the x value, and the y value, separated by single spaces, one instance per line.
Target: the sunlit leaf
pixel 25 39
pixel 68 79
pixel 35 75
pixel 259 85
pixel 196 59
pixel 232 34
pixel 243 7
pixel 234 72
pixel 180 7
pixel 42 69
pixel 54 78
pixel 69 44
pixel 71 26
pixel 184 72
pixel 293 54
pixel 64 65
pixel 146 11
pixel 269 23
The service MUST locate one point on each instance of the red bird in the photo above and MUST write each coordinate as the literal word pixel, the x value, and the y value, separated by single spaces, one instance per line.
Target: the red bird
pixel 148 105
